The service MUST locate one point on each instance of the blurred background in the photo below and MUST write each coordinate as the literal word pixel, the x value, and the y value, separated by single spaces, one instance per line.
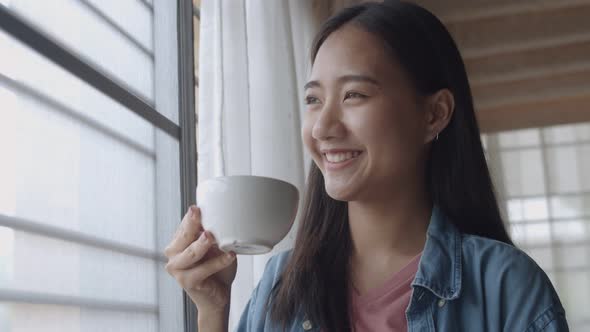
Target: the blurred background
pixel 99 102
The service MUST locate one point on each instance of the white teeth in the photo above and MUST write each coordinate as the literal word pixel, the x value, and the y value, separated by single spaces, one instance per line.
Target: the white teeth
pixel 341 156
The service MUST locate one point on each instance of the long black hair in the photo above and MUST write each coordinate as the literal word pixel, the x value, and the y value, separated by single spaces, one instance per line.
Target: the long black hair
pixel 315 281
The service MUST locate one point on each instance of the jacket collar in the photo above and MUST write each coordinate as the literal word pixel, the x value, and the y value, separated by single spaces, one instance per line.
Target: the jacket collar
pixel 439 270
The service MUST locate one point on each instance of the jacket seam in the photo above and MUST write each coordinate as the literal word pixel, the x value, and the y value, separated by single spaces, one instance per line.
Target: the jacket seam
pixel 548 316
pixel 458 282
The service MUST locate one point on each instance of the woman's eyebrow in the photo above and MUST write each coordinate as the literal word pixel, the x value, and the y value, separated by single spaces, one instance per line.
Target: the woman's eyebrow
pixel 358 78
pixel 311 84
pixel 344 79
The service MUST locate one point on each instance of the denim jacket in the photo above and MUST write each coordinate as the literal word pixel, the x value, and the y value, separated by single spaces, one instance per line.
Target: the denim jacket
pixel 463 283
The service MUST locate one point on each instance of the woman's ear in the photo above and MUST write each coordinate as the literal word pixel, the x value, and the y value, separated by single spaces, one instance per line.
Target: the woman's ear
pixel 439 110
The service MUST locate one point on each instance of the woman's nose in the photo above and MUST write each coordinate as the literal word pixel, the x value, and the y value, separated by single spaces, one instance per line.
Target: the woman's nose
pixel 328 124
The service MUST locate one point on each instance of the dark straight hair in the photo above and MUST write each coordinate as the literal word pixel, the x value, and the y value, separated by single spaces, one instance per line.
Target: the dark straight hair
pixel 315 281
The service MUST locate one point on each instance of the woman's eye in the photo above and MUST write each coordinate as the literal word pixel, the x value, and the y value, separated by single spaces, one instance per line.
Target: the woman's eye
pixel 353 95
pixel 311 100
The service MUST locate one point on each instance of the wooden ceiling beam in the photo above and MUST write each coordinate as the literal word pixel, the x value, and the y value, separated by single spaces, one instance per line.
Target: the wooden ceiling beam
pixel 535 113
pixel 518 33
pixel 458 11
pixel 493 95
pixel 553 58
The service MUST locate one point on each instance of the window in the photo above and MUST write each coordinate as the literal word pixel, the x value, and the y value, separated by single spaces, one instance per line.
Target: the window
pixel 542 178
pixel 98 163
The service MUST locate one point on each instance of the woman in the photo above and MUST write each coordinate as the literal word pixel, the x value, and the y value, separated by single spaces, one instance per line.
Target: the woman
pixel 401 228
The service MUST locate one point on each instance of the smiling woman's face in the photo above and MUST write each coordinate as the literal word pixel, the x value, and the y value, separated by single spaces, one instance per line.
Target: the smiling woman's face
pixel 362 126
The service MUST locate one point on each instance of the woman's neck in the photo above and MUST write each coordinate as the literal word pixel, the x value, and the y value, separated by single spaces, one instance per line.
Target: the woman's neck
pixel 390 228
pixel 386 235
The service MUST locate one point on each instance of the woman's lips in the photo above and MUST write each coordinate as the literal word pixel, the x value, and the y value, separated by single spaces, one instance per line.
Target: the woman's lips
pixel 350 157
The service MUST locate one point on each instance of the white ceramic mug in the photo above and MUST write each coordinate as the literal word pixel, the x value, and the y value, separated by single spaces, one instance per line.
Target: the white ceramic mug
pixel 247 214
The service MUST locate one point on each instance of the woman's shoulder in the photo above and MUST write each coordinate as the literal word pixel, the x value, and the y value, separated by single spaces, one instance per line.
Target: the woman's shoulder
pixel 487 256
pixel 254 317
pixel 510 281
pixel 498 257
pixel 272 272
pixel 276 264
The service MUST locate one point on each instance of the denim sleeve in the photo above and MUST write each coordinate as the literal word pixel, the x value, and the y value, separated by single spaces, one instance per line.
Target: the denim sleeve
pixel 528 301
pixel 552 320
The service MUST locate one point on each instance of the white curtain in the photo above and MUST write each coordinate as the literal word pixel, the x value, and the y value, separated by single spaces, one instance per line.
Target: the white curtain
pixel 253 62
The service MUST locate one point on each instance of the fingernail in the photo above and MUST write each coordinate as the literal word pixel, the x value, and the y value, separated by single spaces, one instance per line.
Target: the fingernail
pixel 203 238
pixel 210 236
pixel 193 211
pixel 230 256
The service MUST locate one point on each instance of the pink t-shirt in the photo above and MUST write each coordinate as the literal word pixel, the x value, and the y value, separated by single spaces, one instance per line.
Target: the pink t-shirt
pixel 384 308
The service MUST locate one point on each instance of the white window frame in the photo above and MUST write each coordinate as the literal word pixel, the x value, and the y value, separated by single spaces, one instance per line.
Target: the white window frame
pixel 173 116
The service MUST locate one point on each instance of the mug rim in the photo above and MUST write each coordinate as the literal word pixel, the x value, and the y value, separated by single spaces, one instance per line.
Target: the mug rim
pixel 267 178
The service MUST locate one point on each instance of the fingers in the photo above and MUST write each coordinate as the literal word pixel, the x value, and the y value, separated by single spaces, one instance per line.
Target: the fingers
pixel 187 232
pixel 193 253
pixel 196 277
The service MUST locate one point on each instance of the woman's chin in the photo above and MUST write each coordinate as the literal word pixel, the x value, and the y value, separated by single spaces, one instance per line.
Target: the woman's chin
pixel 340 193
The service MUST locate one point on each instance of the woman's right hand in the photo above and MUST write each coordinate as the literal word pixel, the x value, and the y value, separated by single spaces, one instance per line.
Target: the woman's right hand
pixel 200 267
